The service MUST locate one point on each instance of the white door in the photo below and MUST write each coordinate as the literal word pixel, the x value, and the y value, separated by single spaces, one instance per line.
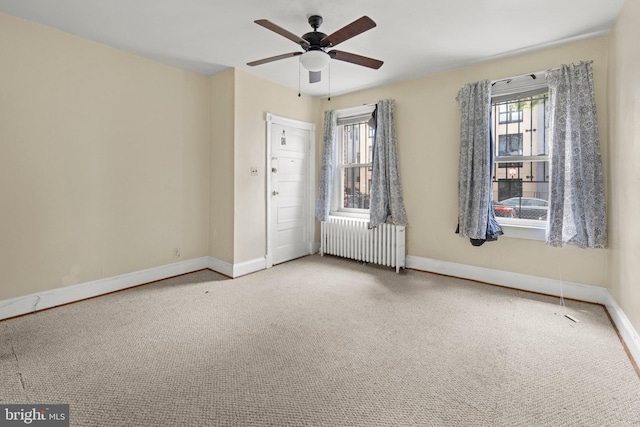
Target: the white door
pixel 290 219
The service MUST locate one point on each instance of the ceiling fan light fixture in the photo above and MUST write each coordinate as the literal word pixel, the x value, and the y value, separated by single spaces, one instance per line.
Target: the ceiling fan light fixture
pixel 315 60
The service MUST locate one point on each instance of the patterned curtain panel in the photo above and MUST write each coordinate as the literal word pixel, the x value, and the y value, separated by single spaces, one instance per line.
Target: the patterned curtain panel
pixel 386 203
pixel 476 218
pixel 328 169
pixel 577 213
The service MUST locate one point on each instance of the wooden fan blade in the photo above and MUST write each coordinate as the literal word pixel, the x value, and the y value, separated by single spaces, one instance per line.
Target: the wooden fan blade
pixel 314 76
pixel 356 59
pixel 277 29
pixel 345 33
pixel 273 58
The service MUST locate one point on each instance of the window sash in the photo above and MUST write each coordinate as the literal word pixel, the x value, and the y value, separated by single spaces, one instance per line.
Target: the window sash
pixel 363 188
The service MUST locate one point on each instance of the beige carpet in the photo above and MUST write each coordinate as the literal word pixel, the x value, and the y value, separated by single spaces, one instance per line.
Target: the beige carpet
pixel 322 342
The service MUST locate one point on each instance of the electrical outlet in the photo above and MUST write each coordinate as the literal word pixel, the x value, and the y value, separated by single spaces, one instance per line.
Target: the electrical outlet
pixel 176 252
pixel 254 171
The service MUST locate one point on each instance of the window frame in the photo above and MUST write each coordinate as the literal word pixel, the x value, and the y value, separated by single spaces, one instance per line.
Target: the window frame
pixel 524 87
pixel 346 117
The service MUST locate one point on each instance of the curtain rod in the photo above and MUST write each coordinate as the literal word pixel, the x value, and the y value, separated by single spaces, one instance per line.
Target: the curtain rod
pixel 509 79
pixel 533 75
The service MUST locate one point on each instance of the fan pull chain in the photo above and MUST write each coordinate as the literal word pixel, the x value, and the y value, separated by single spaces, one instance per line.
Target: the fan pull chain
pixel 299 60
pixel 329 98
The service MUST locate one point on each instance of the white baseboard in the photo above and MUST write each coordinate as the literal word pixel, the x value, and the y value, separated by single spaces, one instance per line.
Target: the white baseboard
pixel 59 296
pixel 250 266
pixel 625 328
pixel 588 293
pixel 221 267
pixel 39 301
pixel 64 295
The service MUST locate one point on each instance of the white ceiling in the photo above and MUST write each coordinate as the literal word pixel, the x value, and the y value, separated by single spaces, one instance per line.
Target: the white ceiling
pixel 413 37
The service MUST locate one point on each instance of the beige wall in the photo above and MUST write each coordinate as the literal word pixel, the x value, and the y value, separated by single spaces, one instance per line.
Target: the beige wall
pixel 240 103
pixel 255 97
pixel 221 207
pixel 624 181
pixel 102 160
pixel 110 161
pixel 427 125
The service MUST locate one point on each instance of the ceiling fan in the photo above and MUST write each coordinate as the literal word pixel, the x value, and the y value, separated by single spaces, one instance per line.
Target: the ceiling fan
pixel 316 55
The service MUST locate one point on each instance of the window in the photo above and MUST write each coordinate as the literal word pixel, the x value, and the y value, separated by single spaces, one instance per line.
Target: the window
pixel 354 162
pixel 521 158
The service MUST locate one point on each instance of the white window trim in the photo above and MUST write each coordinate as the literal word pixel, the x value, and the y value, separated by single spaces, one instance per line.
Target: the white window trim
pixel 347 116
pixel 523 228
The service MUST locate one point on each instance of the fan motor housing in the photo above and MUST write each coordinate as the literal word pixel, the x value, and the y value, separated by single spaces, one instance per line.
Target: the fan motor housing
pixel 314 39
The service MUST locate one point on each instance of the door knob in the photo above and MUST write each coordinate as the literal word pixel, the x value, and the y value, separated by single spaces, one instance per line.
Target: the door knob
pixel 274 170
pixel 275 193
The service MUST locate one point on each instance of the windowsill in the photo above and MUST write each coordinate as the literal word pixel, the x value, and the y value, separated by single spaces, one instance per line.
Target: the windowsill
pixel 363 215
pixel 523 229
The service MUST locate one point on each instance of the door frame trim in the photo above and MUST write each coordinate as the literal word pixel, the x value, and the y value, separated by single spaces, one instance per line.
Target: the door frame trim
pixel 272 119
